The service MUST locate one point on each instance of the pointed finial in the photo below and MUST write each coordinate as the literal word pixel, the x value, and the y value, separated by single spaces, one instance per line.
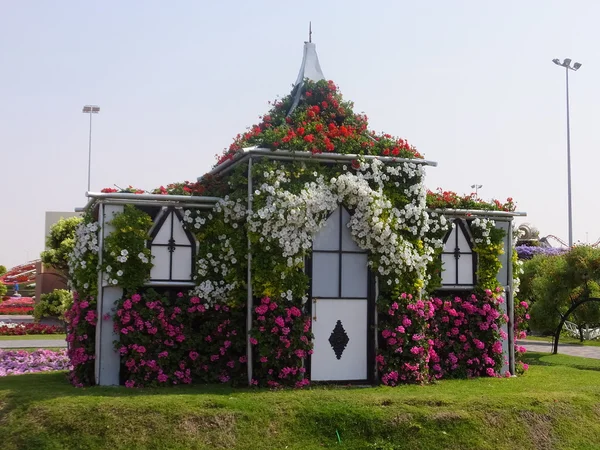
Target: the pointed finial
pixel 309 31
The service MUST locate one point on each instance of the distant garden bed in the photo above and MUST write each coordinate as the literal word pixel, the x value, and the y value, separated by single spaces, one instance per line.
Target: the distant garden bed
pixel 19 329
pixel 17 306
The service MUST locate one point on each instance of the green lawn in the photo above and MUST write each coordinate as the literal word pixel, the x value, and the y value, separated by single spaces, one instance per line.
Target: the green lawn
pixel 564 340
pixel 34 337
pixel 555 406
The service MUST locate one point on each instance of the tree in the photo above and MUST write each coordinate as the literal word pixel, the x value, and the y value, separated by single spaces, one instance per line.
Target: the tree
pixel 2 270
pixel 60 243
pixel 553 284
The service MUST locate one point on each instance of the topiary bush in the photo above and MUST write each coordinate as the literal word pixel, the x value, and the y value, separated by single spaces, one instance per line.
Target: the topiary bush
pixel 54 304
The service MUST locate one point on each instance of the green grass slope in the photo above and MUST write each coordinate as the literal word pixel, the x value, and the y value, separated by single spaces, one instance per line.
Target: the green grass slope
pixel 556 405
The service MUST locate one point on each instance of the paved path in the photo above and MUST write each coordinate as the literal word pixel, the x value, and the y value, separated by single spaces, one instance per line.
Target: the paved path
pixel 16 318
pixel 33 343
pixel 565 349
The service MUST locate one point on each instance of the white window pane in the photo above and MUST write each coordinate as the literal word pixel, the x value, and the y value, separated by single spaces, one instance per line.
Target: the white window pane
pixel 325 275
pixel 182 263
pixel 354 275
pixel 465 269
pixel 348 243
pixel 448 269
pixel 463 242
pixel 164 233
pixel 450 244
pixel 328 238
pixel 161 261
pixel 178 232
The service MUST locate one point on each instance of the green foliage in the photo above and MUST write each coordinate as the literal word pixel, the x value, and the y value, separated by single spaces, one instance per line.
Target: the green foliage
pixel 126 260
pixel 60 243
pixel 552 284
pixel 3 270
pixel 53 304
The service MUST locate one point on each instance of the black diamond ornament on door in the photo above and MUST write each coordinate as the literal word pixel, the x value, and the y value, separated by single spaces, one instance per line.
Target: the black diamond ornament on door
pixel 338 339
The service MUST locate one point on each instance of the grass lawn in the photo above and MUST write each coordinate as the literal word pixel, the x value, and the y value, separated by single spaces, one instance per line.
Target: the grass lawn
pixel 555 406
pixel 34 337
pixel 564 340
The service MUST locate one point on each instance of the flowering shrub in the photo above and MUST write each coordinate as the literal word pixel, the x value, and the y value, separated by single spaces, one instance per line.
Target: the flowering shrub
pixel 18 362
pixel 282 338
pixel 83 261
pixel 19 329
pixel 81 333
pixel 529 251
pixel 467 335
pixel 126 259
pixel 176 340
pixel 404 345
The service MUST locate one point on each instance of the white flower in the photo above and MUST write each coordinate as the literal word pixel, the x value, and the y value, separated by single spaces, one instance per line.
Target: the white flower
pixel 124 252
pixel 120 273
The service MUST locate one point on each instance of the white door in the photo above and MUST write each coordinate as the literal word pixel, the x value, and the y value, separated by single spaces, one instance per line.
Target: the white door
pixel 339 303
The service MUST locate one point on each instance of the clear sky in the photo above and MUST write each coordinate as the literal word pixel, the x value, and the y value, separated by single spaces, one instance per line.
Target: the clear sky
pixel 469 83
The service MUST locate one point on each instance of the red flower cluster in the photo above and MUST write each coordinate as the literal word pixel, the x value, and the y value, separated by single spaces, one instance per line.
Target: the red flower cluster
pixel 405 346
pixel 467 336
pixel 449 199
pixel 282 336
pixel 17 306
pixel 164 340
pixel 81 335
pixel 321 122
pixel 30 328
pixel 25 273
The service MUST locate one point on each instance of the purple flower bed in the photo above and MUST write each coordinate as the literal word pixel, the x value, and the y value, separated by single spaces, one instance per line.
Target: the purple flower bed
pixel 18 362
pixel 528 252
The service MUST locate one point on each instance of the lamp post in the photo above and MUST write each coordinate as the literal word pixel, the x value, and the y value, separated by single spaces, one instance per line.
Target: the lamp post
pixel 90 109
pixel 476 187
pixel 567 65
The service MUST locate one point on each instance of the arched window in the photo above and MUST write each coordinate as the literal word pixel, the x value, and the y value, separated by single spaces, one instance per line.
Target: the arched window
pixel 173 248
pixel 458 259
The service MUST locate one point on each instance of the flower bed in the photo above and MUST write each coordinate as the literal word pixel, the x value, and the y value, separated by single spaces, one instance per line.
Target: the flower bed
pixel 17 306
pixel 166 340
pixel 19 329
pixel 18 362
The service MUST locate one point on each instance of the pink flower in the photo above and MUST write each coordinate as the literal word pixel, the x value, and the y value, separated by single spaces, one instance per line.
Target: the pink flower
pixel 130 383
pixel 136 298
pixel 193 356
pixel 253 341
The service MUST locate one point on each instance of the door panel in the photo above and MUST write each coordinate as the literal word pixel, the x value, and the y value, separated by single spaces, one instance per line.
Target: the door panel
pixel 340 343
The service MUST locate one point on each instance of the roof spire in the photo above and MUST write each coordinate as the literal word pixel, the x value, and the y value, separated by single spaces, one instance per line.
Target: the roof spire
pixel 310 68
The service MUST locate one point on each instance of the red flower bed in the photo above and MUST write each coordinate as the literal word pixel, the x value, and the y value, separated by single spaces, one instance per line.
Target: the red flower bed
pixel 29 328
pixel 11 311
pixel 17 306
pixel 24 273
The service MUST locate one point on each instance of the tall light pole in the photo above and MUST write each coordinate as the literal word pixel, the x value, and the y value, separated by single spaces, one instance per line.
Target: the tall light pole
pixel 476 187
pixel 90 109
pixel 567 65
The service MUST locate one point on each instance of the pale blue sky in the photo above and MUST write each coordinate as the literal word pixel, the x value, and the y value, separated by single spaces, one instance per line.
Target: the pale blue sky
pixel 470 83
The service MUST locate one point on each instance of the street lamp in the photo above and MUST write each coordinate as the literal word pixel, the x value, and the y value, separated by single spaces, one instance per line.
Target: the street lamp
pixel 567 65
pixel 476 187
pixel 90 109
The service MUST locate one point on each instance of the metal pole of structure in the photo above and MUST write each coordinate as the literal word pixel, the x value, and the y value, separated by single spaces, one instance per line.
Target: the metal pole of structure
pixel 249 300
pixel 90 155
pixel 570 200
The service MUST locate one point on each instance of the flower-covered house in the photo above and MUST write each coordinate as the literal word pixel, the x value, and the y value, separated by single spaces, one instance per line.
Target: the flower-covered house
pixel 311 252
